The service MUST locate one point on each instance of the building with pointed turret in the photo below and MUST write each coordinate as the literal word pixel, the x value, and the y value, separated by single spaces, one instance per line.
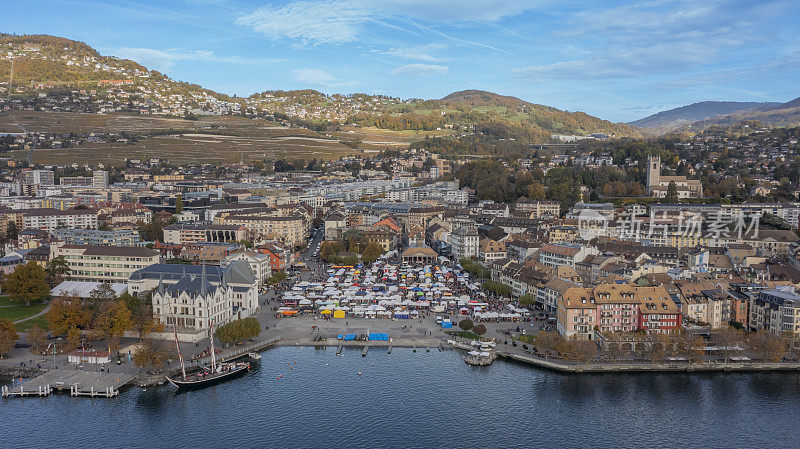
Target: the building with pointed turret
pixel 188 295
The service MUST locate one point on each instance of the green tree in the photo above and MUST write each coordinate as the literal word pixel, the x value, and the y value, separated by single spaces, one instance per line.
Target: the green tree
pixel 238 330
pixel 371 253
pixel 57 270
pixel 11 230
pixel 27 283
pixel 466 324
pixel 7 336
pixel 479 329
pixel 527 300
pixel 178 203
pixel 672 193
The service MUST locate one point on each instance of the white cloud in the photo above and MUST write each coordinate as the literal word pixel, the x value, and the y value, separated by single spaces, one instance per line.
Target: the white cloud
pixel 339 21
pixel 318 77
pixel 419 70
pixel 622 63
pixel 420 52
pixel 162 60
pixel 317 21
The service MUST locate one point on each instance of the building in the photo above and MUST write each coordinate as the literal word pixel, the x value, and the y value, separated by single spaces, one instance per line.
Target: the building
pixel 657 185
pixel 538 209
pixel 50 219
pixel 39 177
pixel 100 179
pixel 196 232
pixel 465 243
pixel 775 310
pixel 124 237
pixel 259 263
pixel 104 263
pixel 555 255
pixel 234 295
pixel 615 308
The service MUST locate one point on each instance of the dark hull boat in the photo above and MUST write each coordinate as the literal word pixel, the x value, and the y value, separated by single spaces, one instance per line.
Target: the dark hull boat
pixel 206 378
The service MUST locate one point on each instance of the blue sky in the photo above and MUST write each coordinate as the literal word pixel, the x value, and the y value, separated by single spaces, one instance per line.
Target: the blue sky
pixel 616 60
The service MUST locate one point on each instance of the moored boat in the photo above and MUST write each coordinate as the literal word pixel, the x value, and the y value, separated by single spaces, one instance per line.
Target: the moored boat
pixel 207 377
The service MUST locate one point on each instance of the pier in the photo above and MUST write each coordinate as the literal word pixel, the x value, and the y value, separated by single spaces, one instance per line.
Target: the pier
pixel 78 382
pixel 241 352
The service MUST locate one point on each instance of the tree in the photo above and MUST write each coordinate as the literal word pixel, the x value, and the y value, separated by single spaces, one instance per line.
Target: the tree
pixel 178 203
pixel 103 293
pixel 141 313
pixel 330 248
pixel 111 321
pixel 7 336
pixel 277 277
pixel 672 193
pixel 67 316
pixel 546 341
pixel 238 330
pixel 37 338
pixel 688 346
pixel 466 324
pixel 57 271
pixel 479 329
pixel 27 283
pixel 527 300
pixel 371 253
pixel 768 346
pixel 727 340
pixel 153 354
pixel 11 230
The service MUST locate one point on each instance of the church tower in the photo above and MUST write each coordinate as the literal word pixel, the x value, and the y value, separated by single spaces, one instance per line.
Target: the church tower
pixel 653 172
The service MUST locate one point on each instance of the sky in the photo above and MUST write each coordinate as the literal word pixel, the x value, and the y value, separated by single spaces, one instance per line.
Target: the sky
pixel 616 60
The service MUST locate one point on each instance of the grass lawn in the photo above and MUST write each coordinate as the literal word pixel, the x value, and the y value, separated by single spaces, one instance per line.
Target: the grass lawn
pixel 464 334
pixel 15 313
pixel 27 325
pixel 5 301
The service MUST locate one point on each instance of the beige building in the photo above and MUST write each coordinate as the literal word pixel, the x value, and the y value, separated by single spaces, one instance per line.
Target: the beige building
pixel 104 263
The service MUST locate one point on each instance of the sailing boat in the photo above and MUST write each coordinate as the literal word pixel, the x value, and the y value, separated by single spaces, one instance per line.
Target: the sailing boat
pixel 217 372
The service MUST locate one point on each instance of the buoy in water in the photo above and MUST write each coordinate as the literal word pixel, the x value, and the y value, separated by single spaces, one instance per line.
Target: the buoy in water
pixel 359 373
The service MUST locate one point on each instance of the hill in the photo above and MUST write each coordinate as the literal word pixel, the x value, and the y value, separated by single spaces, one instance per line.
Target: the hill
pixel 773 115
pixel 47 73
pixel 668 120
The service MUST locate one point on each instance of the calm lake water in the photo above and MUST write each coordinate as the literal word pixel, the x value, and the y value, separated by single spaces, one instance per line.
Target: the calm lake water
pixel 419 400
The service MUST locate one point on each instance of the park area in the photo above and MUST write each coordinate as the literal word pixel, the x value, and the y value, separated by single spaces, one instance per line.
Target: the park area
pixel 16 312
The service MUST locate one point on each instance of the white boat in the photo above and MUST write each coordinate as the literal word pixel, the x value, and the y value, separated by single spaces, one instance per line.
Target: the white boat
pixel 254 356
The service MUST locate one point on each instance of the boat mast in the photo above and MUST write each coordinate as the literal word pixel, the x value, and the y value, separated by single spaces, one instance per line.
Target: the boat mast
pixel 213 355
pixel 204 294
pixel 180 355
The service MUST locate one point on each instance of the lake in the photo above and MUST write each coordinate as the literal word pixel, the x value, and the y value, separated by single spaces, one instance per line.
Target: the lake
pixel 420 400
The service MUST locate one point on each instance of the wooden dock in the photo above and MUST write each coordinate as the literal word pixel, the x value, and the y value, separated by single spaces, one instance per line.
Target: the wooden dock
pixel 241 352
pixel 78 382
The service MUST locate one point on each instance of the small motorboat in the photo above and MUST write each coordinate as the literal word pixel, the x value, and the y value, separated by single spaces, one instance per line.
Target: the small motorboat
pixel 254 356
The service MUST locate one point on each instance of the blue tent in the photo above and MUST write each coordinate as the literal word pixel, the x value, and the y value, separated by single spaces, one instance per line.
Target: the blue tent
pixel 349 337
pixel 447 324
pixel 379 336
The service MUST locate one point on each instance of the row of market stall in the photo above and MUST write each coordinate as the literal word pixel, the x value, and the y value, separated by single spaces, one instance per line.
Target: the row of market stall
pixel 386 290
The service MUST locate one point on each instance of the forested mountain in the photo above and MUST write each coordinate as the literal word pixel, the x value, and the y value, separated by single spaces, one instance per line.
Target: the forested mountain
pixel 668 120
pixel 56 66
pixel 773 115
